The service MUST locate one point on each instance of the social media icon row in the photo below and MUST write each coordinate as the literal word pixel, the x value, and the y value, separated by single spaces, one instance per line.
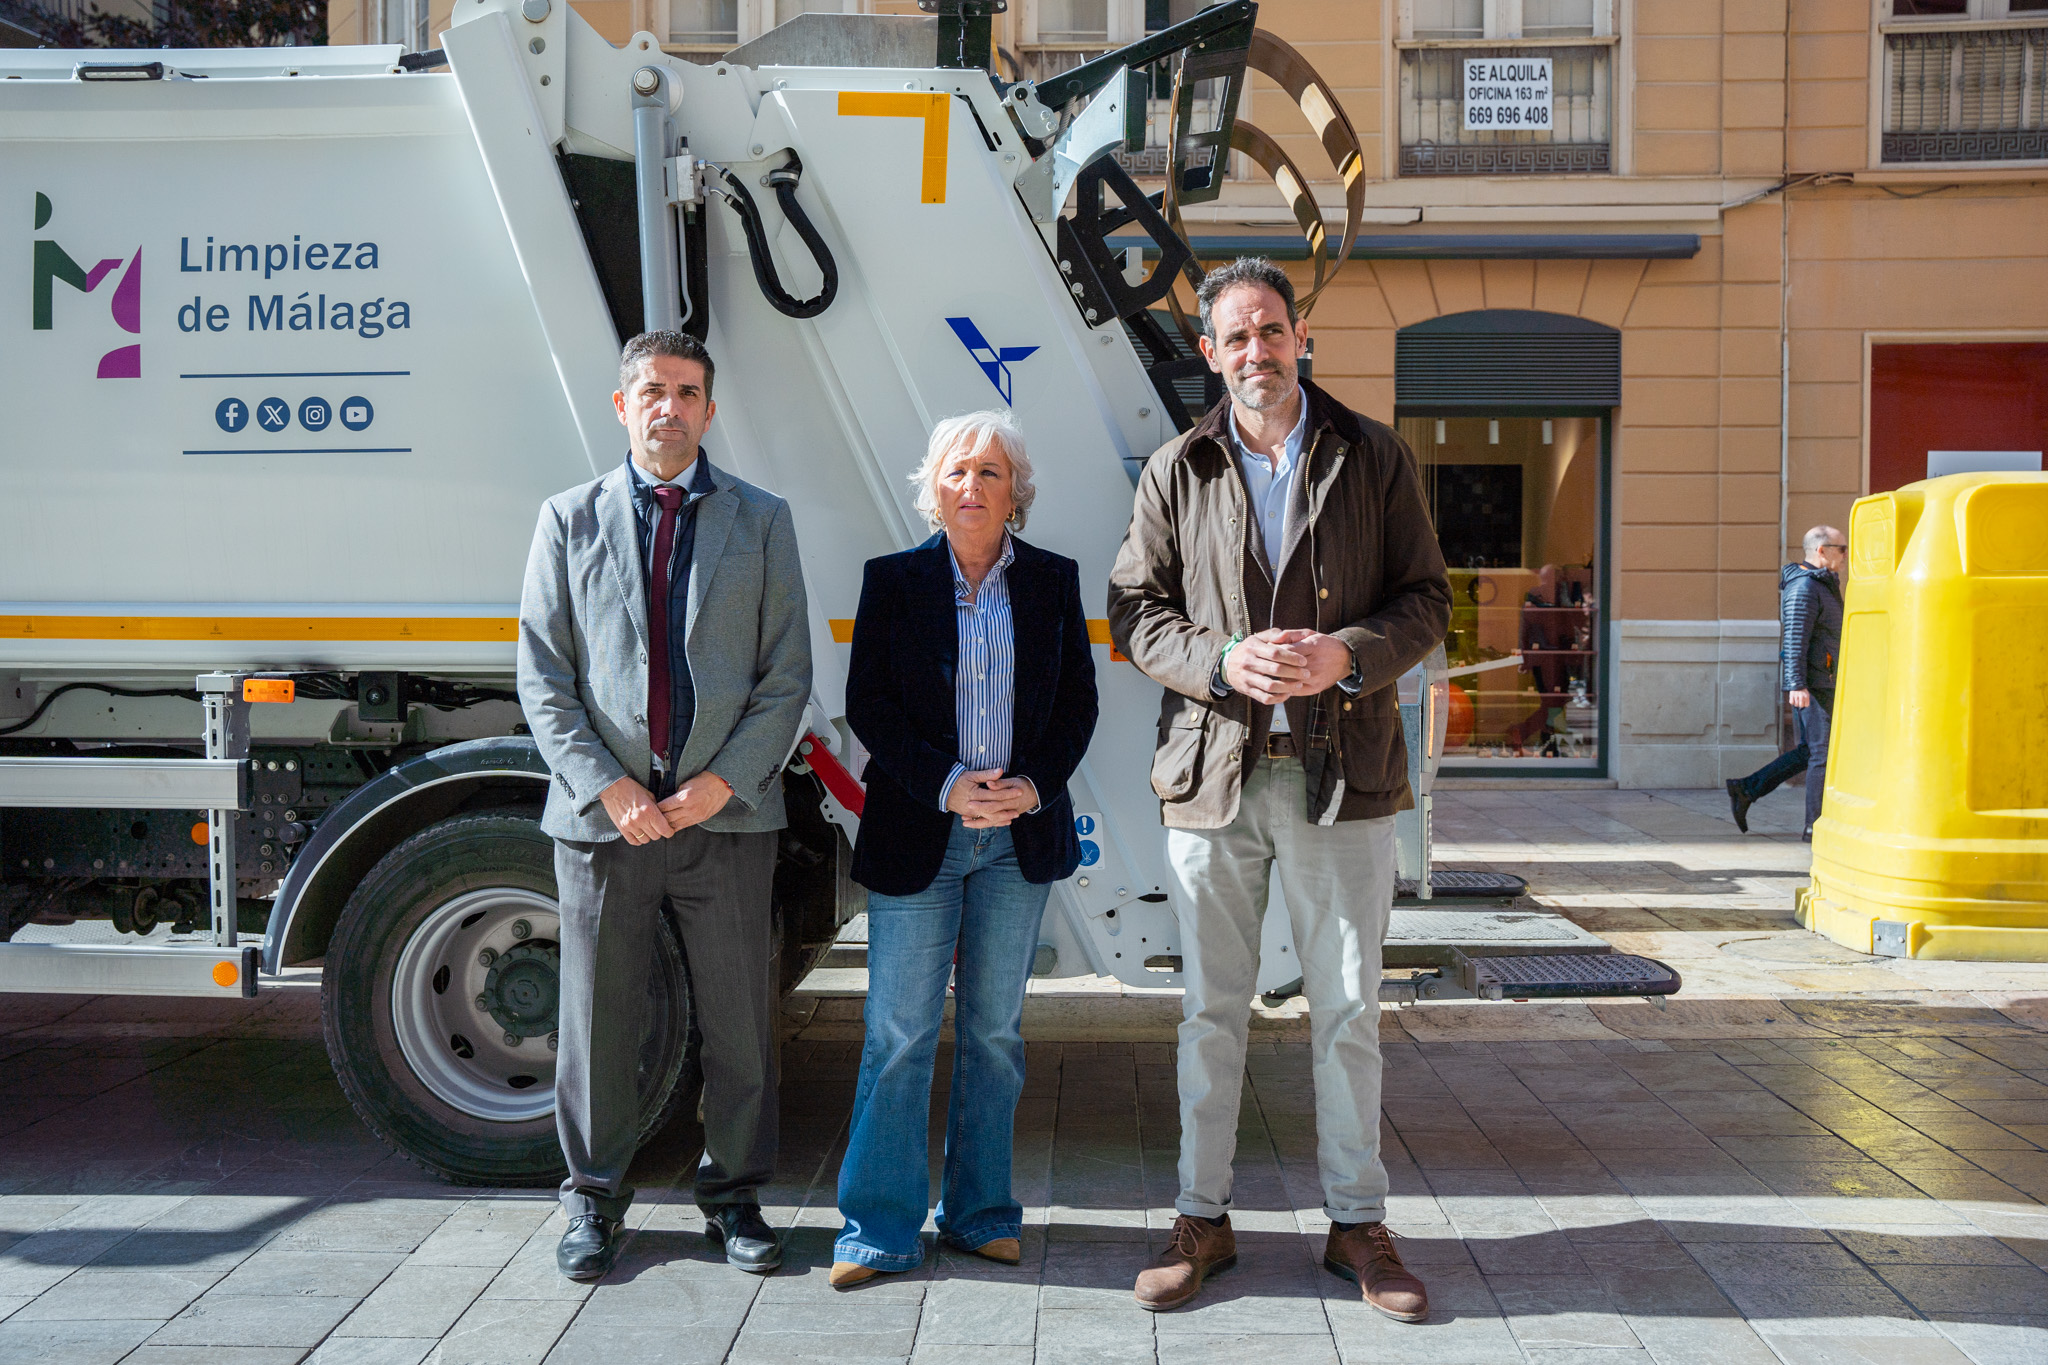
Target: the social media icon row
pixel 275 414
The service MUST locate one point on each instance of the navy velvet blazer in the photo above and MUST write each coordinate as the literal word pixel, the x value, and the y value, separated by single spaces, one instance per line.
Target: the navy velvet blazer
pixel 899 700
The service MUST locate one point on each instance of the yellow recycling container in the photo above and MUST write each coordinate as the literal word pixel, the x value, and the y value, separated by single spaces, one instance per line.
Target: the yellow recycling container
pixel 1933 836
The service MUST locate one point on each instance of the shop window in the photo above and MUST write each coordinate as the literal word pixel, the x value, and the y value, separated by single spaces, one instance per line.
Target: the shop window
pixel 1966 80
pixel 1502 87
pixel 1507 412
pixel 1516 501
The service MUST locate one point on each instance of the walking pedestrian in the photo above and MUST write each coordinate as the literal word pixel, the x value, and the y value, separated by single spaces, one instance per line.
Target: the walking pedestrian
pixel 1809 648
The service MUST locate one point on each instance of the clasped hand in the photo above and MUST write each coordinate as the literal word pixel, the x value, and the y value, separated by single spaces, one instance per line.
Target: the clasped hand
pixel 642 819
pixel 1274 665
pixel 984 799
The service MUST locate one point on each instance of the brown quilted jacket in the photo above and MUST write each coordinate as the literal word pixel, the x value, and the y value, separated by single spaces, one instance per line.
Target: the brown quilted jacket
pixel 1360 561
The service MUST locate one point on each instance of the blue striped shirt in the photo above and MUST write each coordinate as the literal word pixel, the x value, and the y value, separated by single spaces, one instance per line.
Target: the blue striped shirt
pixel 985 676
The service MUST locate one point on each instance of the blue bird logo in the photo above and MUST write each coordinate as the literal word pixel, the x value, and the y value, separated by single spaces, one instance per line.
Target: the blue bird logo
pixel 995 361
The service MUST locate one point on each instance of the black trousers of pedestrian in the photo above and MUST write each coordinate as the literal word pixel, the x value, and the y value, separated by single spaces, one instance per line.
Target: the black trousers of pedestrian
pixel 719 886
pixel 1813 720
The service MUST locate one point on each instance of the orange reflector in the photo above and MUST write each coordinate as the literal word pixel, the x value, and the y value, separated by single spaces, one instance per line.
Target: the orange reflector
pixel 226 973
pixel 199 834
pixel 268 689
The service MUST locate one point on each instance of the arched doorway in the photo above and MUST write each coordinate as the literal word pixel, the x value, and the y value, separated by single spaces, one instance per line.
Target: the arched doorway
pixel 1509 414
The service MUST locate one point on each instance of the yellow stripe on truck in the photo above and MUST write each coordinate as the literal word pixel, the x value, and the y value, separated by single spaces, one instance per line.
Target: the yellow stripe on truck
pixel 464 629
pixel 935 109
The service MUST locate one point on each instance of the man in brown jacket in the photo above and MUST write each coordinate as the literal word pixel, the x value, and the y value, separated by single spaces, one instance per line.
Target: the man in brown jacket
pixel 1279 574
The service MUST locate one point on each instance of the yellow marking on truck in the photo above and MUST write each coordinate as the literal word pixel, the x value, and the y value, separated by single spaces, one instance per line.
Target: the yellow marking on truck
pixel 467 629
pixel 936 110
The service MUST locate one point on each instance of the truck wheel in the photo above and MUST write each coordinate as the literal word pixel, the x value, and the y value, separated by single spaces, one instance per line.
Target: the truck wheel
pixel 439 1001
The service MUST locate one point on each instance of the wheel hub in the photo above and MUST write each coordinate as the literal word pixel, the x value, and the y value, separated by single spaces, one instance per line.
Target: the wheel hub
pixel 475 988
pixel 523 988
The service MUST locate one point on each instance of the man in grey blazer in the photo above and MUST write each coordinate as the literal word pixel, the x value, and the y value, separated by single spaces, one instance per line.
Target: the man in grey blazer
pixel 664 667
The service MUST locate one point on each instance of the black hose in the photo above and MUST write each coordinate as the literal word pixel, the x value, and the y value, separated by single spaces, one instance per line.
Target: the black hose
pixel 435 692
pixel 784 183
pixel 695 269
pixel 56 692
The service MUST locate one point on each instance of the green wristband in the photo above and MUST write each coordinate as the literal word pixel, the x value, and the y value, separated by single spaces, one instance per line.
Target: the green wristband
pixel 1233 643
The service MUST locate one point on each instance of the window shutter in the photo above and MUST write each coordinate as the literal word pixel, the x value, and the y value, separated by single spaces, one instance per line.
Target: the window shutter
pixel 1496 357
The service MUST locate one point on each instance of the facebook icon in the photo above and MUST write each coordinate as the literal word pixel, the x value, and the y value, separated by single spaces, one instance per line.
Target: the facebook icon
pixel 232 414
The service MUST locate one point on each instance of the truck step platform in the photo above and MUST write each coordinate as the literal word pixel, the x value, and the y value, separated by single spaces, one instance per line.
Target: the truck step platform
pixel 1549 976
pixel 1449 886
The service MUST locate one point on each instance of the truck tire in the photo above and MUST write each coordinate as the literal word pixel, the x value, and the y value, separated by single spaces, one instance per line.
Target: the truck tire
pixel 438 1003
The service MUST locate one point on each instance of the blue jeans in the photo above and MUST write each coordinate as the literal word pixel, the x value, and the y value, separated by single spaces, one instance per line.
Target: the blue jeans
pixel 981 906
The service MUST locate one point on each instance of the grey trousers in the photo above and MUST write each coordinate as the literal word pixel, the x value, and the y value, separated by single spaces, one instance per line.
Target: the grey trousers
pixel 719 886
pixel 1339 883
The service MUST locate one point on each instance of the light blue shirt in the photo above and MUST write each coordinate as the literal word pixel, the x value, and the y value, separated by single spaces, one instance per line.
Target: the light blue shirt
pixel 1272 488
pixel 985 674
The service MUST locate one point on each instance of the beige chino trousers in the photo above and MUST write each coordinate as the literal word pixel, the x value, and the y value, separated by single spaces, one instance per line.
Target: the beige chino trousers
pixel 1339 884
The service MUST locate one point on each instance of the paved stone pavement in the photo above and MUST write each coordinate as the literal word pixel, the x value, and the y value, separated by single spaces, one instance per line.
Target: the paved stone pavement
pixel 1811 1156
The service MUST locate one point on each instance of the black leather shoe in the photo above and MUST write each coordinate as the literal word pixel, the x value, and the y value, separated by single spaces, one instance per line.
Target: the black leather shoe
pixel 749 1242
pixel 1739 801
pixel 589 1248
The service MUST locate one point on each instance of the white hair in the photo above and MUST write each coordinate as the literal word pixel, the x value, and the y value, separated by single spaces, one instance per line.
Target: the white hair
pixel 973 432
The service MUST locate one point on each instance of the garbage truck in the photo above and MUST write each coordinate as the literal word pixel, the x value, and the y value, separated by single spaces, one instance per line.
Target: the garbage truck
pixel 303 337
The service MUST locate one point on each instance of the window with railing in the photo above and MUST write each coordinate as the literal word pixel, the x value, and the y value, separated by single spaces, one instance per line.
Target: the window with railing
pixel 406 21
pixel 701 28
pixel 1507 87
pixel 1059 35
pixel 704 24
pixel 1966 80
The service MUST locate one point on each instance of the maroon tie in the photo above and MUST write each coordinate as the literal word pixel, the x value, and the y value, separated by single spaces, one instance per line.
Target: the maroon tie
pixel 658 699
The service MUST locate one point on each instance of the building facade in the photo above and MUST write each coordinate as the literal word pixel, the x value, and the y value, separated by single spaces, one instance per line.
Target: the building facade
pixel 1650 286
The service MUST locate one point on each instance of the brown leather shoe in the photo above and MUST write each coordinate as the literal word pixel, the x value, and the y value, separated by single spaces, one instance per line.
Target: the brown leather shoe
pixel 1365 1253
pixel 1003 1251
pixel 1199 1249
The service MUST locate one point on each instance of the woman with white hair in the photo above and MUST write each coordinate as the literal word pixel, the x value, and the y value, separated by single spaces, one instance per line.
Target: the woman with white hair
pixel 973 688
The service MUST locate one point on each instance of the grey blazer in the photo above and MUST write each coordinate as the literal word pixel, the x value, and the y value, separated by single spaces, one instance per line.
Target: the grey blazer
pixel 583 651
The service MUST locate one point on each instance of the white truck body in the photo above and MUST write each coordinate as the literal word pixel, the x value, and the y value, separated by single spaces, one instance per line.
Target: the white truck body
pixel 142 537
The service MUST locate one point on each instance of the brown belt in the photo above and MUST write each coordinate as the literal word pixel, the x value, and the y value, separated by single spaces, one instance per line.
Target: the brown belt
pixel 1281 746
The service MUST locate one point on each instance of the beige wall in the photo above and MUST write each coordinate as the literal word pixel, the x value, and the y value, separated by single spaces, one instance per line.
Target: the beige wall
pixel 1718 103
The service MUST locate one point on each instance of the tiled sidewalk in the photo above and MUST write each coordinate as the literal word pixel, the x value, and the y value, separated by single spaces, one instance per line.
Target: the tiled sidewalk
pixel 1779 1167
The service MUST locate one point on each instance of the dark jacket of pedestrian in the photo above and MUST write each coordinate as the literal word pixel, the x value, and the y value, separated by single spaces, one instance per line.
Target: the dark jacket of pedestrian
pixel 1360 562
pixel 1810 627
